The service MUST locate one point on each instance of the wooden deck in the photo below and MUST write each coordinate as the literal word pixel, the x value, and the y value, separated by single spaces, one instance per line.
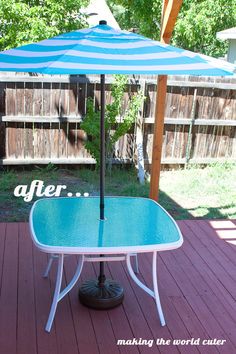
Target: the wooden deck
pixel 197 287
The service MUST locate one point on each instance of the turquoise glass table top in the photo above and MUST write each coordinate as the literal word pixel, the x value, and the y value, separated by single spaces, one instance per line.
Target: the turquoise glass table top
pixel 73 224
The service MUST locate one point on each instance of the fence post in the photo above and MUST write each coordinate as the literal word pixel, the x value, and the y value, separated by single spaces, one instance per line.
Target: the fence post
pixel 189 141
pixel 139 138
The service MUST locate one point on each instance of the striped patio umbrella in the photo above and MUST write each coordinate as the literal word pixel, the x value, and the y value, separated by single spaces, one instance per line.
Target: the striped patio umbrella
pixel 104 50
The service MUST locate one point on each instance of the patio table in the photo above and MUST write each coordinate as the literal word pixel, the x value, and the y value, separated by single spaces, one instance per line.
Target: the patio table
pixel 62 226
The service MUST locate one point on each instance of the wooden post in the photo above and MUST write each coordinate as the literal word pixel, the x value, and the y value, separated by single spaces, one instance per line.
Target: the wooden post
pixel 193 117
pixel 158 136
pixel 170 10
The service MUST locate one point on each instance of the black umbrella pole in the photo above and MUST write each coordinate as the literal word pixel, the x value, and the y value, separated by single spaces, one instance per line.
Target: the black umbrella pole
pixel 102 278
pixel 102 148
pixel 101 293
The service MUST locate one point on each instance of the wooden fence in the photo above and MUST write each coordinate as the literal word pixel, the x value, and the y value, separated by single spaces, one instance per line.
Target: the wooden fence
pixel 41 115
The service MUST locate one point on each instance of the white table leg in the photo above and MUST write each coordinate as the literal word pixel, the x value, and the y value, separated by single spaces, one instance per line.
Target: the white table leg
pixel 136 268
pixel 155 286
pixel 74 279
pixel 155 293
pixel 56 293
pixel 51 258
pixel 59 295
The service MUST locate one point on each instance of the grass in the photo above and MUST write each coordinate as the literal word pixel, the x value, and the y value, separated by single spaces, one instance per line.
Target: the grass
pixel 194 192
pixel 208 192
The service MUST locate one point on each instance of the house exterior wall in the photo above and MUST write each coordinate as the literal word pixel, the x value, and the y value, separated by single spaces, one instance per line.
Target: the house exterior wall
pixel 231 56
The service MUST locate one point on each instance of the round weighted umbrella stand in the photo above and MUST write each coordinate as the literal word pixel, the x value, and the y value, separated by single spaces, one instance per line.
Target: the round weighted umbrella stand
pixel 101 293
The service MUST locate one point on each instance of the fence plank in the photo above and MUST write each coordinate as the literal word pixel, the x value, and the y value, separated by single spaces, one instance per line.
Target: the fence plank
pixel 73 102
pixel 20 98
pixel 10 98
pixel 46 99
pixel 29 99
pixel 28 139
pixel 82 94
pixel 2 98
pixel 38 99
pixel 55 99
pixel 2 138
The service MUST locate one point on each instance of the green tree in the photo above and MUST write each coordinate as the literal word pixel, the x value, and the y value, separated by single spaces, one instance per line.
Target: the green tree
pixel 199 22
pixel 114 110
pixel 143 15
pixel 25 21
pixel 196 26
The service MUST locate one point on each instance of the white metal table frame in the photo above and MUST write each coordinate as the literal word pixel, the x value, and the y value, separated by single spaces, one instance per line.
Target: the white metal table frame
pixel 58 294
pixel 92 254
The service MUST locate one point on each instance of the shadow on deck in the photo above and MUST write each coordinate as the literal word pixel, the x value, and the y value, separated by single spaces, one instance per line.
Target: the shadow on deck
pixel 197 288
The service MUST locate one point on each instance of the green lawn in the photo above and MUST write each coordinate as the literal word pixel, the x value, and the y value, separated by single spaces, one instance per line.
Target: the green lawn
pixel 204 193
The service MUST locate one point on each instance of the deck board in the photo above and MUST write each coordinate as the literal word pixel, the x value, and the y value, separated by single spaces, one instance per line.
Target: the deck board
pixel 45 343
pixel 197 286
pixel 2 248
pixel 26 319
pixel 9 291
pixel 81 316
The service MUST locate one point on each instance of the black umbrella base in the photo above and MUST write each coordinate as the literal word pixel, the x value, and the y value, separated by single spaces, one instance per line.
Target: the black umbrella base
pixel 104 297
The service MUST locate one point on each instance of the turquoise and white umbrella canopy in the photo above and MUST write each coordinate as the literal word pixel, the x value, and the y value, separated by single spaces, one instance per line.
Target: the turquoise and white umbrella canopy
pixel 104 50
